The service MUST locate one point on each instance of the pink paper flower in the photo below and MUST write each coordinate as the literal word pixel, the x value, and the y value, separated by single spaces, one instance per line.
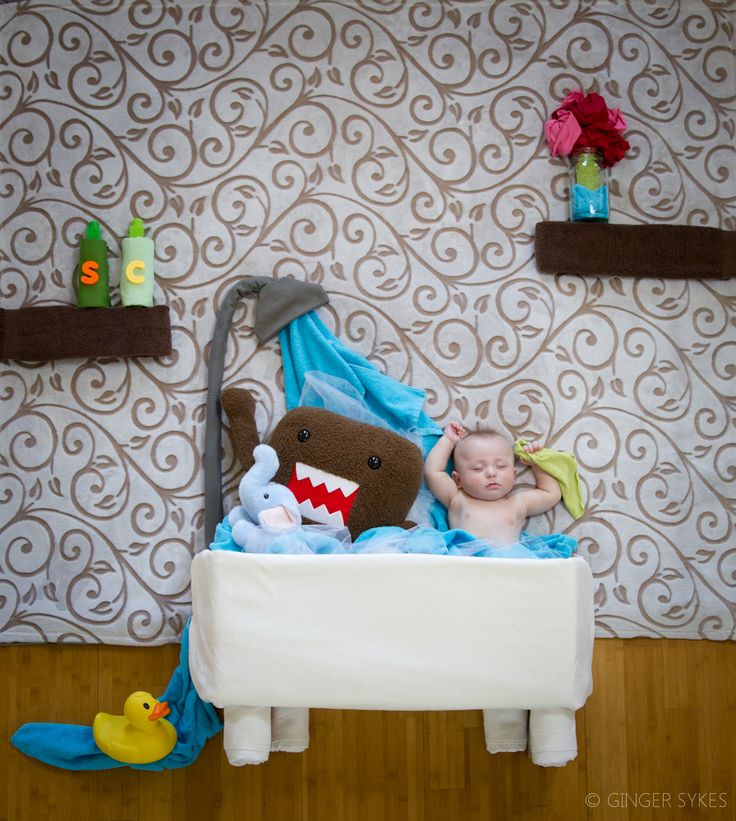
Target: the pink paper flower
pixel 616 119
pixel 589 110
pixel 562 133
pixel 573 98
pixel 585 121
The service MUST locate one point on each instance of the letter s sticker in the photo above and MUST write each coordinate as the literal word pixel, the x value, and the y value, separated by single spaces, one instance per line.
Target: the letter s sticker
pixel 89 272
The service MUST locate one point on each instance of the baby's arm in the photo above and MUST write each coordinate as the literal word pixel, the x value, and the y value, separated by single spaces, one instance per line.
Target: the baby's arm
pixel 441 485
pixel 547 493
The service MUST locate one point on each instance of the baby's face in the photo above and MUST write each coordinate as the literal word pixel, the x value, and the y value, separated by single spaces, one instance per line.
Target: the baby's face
pixel 484 467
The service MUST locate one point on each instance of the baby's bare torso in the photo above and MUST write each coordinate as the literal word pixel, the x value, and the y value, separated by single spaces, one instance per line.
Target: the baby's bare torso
pixel 498 522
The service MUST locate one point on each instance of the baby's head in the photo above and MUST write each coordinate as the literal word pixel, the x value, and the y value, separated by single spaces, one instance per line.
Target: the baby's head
pixel 484 465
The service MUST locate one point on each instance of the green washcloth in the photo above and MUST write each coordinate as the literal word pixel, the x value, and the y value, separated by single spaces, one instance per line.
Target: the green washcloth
pixel 562 466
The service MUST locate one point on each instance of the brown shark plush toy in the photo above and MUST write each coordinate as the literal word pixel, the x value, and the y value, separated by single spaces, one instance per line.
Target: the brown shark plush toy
pixel 342 472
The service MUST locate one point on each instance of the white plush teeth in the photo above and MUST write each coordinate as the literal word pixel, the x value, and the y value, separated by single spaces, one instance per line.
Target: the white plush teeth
pixel 321 514
pixel 320 477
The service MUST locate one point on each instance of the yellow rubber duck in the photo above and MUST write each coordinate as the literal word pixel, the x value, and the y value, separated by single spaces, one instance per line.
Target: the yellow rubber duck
pixel 141 735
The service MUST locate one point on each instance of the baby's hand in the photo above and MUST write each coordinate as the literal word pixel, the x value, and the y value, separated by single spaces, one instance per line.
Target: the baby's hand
pixel 532 447
pixel 454 431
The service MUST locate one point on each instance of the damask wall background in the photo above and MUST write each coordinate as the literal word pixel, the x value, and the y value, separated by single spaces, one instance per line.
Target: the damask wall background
pixel 391 150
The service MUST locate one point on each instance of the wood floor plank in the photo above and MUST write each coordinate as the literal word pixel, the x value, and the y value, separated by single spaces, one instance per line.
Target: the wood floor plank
pixel 445 750
pixel 605 725
pixel 364 765
pixel 8 724
pixel 156 795
pixel 714 708
pixel 58 685
pixel 662 719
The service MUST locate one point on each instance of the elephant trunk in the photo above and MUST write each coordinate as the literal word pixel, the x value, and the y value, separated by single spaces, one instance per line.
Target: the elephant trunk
pixel 263 470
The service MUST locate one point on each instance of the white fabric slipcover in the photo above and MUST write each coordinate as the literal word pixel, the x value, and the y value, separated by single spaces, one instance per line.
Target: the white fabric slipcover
pixel 390 632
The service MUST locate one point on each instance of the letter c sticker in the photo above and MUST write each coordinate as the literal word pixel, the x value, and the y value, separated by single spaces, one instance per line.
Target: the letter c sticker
pixel 89 272
pixel 135 265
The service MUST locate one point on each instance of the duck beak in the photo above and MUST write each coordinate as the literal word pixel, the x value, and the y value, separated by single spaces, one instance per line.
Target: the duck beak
pixel 159 711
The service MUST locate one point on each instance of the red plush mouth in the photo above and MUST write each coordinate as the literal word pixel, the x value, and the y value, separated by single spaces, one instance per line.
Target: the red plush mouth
pixel 322 497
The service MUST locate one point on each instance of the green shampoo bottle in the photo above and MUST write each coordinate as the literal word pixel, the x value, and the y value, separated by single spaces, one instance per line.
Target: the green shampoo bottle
pixel 93 273
pixel 136 272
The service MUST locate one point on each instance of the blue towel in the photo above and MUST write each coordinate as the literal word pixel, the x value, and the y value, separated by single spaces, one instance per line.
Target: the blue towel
pixel 72 746
pixel 308 345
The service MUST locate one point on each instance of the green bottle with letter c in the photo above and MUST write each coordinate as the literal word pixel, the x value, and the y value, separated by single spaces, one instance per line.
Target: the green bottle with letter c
pixel 136 272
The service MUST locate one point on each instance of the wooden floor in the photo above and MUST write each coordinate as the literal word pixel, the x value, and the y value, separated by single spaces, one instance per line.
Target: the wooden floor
pixel 656 738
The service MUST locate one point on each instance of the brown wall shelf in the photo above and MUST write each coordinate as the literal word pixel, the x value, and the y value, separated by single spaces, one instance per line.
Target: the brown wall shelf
pixel 38 334
pixel 662 251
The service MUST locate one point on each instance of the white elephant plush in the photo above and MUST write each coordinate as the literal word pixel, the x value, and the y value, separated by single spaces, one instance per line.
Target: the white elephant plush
pixel 267 510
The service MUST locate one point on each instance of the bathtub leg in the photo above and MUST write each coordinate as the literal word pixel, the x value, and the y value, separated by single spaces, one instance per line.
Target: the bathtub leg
pixel 289 729
pixel 552 739
pixel 506 730
pixel 247 735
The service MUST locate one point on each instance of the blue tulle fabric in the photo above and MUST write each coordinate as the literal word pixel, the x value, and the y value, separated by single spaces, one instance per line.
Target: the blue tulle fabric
pixel 317 539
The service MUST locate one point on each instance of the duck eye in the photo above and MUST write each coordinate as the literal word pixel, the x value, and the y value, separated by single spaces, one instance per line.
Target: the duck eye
pixel 303 435
pixel 265 495
pixel 146 705
pixel 374 462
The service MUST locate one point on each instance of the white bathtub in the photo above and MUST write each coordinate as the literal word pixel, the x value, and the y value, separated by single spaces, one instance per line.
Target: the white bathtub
pixel 389 632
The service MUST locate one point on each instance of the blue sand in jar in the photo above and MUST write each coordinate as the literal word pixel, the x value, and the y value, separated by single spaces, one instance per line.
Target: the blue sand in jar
pixel 589 205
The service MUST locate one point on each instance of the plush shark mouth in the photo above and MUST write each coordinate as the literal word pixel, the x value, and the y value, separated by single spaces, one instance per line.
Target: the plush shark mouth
pixel 322 497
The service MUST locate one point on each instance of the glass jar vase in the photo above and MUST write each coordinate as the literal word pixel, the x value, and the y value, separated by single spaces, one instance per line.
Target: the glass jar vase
pixel 588 186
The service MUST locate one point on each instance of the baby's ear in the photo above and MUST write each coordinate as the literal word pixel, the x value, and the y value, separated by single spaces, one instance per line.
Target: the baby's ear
pixel 456 479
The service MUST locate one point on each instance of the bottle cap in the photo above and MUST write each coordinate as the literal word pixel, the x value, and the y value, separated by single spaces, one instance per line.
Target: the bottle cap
pixel 136 228
pixel 93 230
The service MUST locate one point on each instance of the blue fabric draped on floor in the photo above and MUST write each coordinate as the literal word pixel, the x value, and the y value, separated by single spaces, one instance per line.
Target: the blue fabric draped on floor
pixel 72 746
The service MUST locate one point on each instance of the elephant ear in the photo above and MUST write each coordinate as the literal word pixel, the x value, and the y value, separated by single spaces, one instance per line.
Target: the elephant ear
pixel 264 468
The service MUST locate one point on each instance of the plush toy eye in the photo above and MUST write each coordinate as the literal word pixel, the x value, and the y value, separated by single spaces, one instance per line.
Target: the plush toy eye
pixel 265 495
pixel 303 435
pixel 374 462
pixel 146 705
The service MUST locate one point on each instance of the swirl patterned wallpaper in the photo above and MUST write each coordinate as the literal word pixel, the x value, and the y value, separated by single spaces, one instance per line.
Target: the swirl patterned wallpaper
pixel 392 151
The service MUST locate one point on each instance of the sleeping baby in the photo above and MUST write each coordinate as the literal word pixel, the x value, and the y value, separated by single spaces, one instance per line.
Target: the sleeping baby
pixel 478 495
